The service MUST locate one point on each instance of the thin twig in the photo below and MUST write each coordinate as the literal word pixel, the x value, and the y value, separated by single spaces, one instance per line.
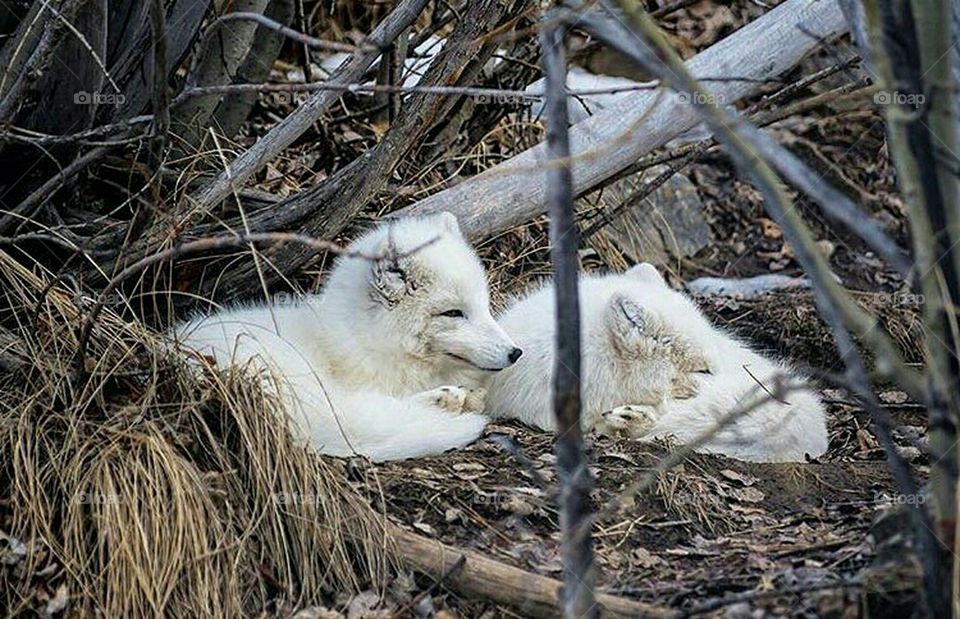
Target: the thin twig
pixel 286 31
pixel 458 91
pixel 52 185
pixel 82 138
pixel 576 481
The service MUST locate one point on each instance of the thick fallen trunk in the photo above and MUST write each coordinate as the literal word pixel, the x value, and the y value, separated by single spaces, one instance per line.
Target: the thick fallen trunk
pixel 488 579
pixel 514 192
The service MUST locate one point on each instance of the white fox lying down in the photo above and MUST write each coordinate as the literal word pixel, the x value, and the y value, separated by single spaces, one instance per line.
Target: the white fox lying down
pixel 653 367
pixel 377 363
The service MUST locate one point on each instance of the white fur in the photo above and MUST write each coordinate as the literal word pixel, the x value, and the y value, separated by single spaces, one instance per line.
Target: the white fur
pixel 357 362
pixel 771 432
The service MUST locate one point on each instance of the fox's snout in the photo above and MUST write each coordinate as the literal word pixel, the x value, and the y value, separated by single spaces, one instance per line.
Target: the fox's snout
pixel 484 345
pixel 506 347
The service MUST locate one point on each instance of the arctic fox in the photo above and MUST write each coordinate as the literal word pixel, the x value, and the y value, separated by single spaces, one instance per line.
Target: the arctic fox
pixel 377 362
pixel 630 386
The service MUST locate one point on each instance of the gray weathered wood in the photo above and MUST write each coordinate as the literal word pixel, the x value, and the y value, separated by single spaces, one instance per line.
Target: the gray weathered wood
pixel 220 55
pixel 133 68
pixel 254 69
pixel 480 576
pixel 294 125
pixel 513 192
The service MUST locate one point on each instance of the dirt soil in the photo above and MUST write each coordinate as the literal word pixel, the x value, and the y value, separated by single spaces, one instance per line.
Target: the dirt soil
pixel 711 527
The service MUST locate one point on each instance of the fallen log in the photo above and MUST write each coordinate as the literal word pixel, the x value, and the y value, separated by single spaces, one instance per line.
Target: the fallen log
pixel 736 67
pixel 485 578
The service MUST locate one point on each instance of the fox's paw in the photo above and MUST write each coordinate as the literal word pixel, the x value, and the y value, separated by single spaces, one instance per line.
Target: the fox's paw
pixel 632 421
pixel 449 398
pixel 455 399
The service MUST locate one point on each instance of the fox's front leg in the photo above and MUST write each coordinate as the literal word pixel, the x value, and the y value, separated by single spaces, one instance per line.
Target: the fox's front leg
pixel 454 399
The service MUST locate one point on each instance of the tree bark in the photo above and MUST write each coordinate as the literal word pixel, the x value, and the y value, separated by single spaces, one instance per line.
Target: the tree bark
pixel 254 69
pixel 293 126
pixel 220 57
pixel 913 57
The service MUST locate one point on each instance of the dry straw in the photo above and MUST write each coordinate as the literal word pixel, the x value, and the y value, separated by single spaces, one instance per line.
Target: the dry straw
pixel 150 486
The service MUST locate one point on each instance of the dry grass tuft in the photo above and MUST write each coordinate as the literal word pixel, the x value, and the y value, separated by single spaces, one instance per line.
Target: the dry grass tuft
pixel 150 487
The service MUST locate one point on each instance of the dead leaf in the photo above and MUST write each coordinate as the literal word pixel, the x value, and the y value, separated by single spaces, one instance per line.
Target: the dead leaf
pixel 363 606
pixel 316 612
pixel 743 478
pixel 644 558
pixel 747 495
pixel 58 602
pixel 893 397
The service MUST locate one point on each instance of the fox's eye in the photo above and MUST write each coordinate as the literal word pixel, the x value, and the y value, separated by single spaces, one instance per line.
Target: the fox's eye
pixel 454 313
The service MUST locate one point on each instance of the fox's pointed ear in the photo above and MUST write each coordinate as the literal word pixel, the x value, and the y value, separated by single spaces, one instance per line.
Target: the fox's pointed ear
pixel 627 321
pixel 646 272
pixel 449 222
pixel 390 275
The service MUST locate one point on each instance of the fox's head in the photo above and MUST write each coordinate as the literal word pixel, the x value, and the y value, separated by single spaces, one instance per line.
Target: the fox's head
pixel 425 296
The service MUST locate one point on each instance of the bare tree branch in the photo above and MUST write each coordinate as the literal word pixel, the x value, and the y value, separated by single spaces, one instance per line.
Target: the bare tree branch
pixel 161 96
pixel 576 482
pixel 911 54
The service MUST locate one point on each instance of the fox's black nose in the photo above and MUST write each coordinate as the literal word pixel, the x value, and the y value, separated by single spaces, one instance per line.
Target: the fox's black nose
pixel 514 355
